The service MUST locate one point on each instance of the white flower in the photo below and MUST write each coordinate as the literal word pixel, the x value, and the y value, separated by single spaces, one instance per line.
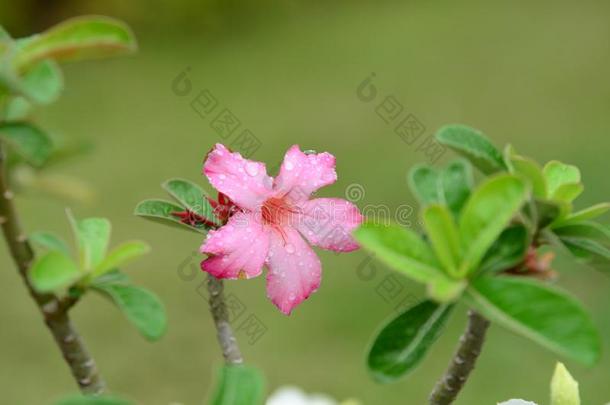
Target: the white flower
pixel 517 402
pixel 290 395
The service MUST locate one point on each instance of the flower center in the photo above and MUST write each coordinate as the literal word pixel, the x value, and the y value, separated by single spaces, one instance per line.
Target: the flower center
pixel 277 212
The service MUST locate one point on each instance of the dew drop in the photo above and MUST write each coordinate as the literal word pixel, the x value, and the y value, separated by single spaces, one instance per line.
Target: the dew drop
pixel 252 168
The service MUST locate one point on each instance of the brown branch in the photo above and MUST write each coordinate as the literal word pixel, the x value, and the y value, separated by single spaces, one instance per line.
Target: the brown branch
pixel 471 342
pixel 54 311
pixel 218 308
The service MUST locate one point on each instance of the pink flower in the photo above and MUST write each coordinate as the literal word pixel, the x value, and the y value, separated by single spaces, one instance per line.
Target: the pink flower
pixel 272 220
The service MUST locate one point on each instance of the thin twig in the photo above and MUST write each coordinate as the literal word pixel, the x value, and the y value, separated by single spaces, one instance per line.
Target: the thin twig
pixel 218 308
pixel 448 387
pixel 54 311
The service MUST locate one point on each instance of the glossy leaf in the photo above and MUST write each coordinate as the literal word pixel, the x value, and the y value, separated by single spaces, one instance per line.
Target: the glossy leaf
pixel 443 234
pixel 54 271
pixel 161 211
pixel 568 192
pixel 585 229
pixel 141 307
pixel 238 385
pixel 531 171
pixel 487 212
pixel 92 236
pixel 121 255
pixel 508 251
pixel 78 38
pixel 401 249
pixel 191 196
pixel 474 146
pixel 50 241
pixel 588 213
pixel 404 341
pixel 28 141
pixel 539 312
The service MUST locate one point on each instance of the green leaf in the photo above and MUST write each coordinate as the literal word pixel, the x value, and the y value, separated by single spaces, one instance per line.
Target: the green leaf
pixel 589 250
pixel 17 109
pixel 547 211
pixel 529 169
pixel 487 212
pixel 92 236
pixel 120 256
pixel 507 251
pixel 588 213
pixel 28 141
pixel 91 400
pixel 564 388
pixel 568 192
pixel 442 231
pixel 238 385
pixel 543 314
pixel 112 277
pixel 473 145
pixel 88 37
pixel 42 84
pixel 558 174
pixel 586 230
pixel 141 307
pixel 401 249
pixel 50 241
pixel 404 341
pixel 54 271
pixel 446 289
pixel 161 211
pixel 423 181
pixel 191 196
pixel 456 183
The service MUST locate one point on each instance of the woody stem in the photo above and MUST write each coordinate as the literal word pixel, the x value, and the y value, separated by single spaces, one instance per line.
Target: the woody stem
pixel 224 332
pixel 54 310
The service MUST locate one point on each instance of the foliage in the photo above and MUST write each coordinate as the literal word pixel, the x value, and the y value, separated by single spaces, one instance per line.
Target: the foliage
pixel 479 247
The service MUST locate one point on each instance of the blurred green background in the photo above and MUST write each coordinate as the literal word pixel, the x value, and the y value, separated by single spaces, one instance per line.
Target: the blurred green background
pixel 534 74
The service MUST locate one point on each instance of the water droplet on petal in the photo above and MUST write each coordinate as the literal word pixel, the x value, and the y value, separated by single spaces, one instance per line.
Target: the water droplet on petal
pixel 252 168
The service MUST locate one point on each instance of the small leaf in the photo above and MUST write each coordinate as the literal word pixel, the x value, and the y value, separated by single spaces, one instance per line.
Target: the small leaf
pixel 238 385
pixel 400 249
pixel 89 37
pixel 456 183
pixel 404 341
pixel 543 314
pixel 120 256
pixel 42 83
pixel 547 211
pixel 487 212
pixel 564 388
pixel 54 271
pixel 585 229
pixel 112 277
pixel 568 192
pixel 473 145
pixel 445 290
pixel 28 141
pixel 529 169
pixel 423 181
pixel 141 307
pixel 588 213
pixel 93 400
pixel 442 231
pixel 50 241
pixel 589 250
pixel 191 196
pixel 161 211
pixel 558 174
pixel 92 236
pixel 508 251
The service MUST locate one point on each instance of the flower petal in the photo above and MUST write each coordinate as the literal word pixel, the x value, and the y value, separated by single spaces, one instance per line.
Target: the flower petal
pixel 294 270
pixel 244 181
pixel 301 174
pixel 238 249
pixel 329 222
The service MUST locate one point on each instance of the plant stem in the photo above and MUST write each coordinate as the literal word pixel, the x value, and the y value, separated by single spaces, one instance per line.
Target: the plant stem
pixel 471 342
pixel 218 308
pixel 54 311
